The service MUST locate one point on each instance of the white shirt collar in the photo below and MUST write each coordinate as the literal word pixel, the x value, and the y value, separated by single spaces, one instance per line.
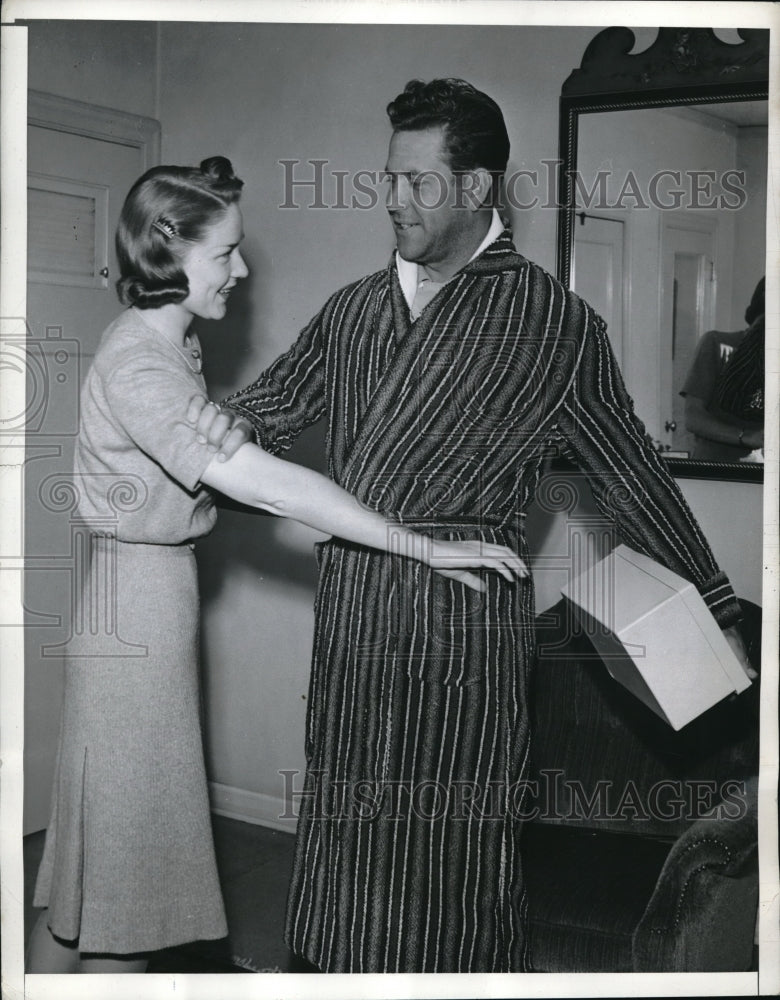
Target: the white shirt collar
pixel 407 270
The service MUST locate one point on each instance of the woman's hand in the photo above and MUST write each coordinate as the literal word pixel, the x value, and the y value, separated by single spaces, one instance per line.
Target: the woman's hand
pixel 223 430
pixel 455 559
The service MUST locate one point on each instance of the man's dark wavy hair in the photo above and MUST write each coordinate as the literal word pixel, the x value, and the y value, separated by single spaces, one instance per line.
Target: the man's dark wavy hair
pixel 474 129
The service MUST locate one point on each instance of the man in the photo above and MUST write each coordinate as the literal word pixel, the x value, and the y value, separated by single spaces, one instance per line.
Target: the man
pixel 445 380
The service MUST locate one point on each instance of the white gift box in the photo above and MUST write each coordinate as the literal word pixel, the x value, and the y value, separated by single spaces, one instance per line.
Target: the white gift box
pixel 656 635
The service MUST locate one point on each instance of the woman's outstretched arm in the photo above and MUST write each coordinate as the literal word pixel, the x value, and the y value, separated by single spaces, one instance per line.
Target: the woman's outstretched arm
pixel 260 480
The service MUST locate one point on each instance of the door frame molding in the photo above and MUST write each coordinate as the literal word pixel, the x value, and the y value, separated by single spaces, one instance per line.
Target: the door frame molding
pixel 685 221
pixel 622 216
pixel 62 114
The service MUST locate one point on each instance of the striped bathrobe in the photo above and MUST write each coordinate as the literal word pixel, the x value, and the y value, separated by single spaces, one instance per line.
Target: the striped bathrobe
pixel 407 856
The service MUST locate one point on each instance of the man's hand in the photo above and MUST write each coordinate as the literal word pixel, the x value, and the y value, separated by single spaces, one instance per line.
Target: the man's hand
pixel 734 639
pixel 223 430
pixel 753 438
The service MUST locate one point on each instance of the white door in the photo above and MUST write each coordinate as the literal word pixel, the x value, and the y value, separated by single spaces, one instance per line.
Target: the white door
pixel 82 160
pixel 597 271
pixel 687 311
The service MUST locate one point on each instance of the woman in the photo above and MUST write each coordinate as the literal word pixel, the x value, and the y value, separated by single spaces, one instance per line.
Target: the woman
pixel 128 865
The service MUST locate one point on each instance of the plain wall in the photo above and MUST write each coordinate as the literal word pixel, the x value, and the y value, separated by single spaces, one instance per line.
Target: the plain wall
pixel 260 94
pixel 109 63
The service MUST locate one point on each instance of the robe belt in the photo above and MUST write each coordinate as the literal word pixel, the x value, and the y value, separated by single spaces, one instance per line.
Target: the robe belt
pixel 506 533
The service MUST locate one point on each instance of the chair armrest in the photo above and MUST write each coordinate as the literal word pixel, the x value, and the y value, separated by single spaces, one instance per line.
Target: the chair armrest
pixel 701 916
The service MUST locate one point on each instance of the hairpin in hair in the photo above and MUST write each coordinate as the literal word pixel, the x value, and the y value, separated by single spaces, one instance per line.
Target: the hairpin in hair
pixel 164 226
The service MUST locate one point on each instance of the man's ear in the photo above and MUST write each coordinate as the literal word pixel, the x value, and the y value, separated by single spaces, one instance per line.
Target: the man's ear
pixel 476 186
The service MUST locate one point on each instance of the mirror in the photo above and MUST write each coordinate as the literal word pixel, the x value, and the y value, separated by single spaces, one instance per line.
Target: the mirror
pixel 662 194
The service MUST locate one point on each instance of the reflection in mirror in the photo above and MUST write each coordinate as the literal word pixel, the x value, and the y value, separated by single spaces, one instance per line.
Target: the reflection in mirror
pixel 668 245
pixel 663 193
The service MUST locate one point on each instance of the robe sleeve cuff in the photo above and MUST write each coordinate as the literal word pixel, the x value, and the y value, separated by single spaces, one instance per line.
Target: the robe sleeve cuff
pixel 721 600
pixel 274 439
pixel 273 430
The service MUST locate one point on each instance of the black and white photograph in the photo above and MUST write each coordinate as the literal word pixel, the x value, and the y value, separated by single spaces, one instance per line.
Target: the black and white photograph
pixel 389 544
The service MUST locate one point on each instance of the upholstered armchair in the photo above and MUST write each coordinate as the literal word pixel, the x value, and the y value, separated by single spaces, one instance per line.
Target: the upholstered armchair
pixel 640 852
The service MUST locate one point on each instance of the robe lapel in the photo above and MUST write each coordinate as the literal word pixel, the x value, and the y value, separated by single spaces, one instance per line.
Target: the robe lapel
pixel 415 345
pixel 396 384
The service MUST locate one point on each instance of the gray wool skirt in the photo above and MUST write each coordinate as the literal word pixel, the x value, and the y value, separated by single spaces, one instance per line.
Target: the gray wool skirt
pixel 128 864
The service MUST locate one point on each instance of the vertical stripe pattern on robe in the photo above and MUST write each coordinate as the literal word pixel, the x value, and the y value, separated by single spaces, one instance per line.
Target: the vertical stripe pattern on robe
pixel 408 853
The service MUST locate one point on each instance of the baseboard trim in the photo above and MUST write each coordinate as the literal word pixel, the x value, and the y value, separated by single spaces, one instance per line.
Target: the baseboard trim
pixel 251 807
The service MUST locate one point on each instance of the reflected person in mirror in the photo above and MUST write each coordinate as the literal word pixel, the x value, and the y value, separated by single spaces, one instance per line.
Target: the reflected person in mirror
pixel 724 390
pixel 446 379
